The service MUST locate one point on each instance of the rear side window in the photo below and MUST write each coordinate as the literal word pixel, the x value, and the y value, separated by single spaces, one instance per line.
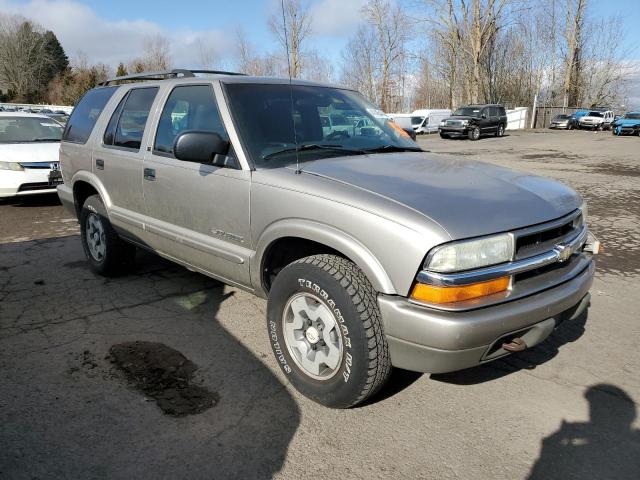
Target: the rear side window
pixel 191 107
pixel 86 113
pixel 127 124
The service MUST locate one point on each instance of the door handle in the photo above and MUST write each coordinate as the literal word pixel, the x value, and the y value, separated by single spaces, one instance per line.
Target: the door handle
pixel 99 164
pixel 150 174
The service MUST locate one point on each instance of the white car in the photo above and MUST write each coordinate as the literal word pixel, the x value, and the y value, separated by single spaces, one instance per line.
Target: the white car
pixel 427 121
pixel 29 146
pixel 597 120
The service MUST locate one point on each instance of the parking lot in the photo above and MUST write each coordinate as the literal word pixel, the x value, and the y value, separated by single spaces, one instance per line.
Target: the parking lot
pixel 564 409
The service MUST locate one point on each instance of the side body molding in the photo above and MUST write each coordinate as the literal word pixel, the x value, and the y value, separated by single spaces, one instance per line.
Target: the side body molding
pixel 327 235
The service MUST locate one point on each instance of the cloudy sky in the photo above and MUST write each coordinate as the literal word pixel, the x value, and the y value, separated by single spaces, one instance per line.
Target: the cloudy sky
pixel 111 31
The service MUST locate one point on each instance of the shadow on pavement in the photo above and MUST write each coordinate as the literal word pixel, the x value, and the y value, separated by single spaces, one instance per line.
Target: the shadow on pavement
pixel 67 413
pixel 567 332
pixel 41 200
pixel 604 447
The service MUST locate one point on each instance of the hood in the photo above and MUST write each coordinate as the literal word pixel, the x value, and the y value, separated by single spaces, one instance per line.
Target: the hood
pixel 29 152
pixel 627 122
pixel 466 198
pixel 461 117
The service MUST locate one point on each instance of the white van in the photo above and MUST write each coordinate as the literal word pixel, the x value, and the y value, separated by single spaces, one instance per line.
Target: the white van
pixel 402 119
pixel 427 121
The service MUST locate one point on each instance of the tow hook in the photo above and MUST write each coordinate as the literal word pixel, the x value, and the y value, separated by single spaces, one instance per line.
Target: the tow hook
pixel 515 345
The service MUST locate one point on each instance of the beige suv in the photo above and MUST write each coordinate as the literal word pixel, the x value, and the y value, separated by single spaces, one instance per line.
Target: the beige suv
pixel 371 252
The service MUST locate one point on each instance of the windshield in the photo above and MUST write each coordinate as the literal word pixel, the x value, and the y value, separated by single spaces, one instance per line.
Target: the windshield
pixel 561 117
pixel 633 116
pixel 29 129
pixel 594 114
pixel 326 121
pixel 467 112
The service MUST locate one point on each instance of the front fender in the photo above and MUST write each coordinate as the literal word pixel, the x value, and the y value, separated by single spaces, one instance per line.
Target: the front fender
pixel 330 236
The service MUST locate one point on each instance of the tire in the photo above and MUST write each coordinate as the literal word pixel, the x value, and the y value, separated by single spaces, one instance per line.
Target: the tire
pixel 474 133
pixel 500 131
pixel 443 135
pixel 108 255
pixel 346 319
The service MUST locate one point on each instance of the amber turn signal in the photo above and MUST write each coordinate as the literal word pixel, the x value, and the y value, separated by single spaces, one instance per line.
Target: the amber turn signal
pixel 434 294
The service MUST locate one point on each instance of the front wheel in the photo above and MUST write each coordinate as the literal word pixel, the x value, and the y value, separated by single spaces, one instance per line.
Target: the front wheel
pixel 326 331
pixel 107 254
pixel 443 135
pixel 474 133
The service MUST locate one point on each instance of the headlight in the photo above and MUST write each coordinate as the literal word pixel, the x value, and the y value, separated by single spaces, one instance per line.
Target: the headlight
pixel 15 166
pixel 465 122
pixel 470 254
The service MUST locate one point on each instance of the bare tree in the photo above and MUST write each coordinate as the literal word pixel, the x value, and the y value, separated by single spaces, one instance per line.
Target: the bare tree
pixel 250 62
pixel 360 60
pixel 573 36
pixel 156 56
pixel 391 29
pixel 292 28
pixel 24 60
pixel 206 55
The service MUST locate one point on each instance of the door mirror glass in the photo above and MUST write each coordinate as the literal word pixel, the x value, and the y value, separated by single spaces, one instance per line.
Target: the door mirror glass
pixel 199 146
pixel 484 115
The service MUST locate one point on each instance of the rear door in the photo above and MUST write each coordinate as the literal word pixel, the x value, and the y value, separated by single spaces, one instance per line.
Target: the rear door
pixel 197 213
pixel 118 159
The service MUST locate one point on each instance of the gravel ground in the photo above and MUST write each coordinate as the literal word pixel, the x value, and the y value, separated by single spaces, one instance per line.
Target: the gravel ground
pixel 564 409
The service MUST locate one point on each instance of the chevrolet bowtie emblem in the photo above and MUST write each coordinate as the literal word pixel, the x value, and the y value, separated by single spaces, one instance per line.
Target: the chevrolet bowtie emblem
pixel 563 252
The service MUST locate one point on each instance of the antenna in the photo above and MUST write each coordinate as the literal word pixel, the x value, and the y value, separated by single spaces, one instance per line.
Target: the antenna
pixel 286 44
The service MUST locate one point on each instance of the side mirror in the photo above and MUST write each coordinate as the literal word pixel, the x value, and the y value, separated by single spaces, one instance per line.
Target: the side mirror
pixel 484 115
pixel 198 146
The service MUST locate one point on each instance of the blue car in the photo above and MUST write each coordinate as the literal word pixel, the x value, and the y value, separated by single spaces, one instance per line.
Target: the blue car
pixel 629 124
pixel 574 119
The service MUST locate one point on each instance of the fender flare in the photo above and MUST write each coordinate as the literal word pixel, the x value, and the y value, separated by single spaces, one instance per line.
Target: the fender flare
pixel 330 236
pixel 93 180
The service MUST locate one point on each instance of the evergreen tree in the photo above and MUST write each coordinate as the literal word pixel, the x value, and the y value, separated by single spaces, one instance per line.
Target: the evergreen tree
pixel 121 71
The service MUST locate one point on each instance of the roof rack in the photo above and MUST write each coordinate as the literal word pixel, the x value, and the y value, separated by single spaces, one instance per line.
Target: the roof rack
pixel 163 75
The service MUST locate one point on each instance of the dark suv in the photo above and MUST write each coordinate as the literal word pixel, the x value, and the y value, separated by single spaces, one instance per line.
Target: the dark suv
pixel 475 121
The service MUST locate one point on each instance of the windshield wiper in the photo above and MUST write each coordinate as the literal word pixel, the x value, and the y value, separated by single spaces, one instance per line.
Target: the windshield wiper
pixel 392 148
pixel 46 140
pixel 314 146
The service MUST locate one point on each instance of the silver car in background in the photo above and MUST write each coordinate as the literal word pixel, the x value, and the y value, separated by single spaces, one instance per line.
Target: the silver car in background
pixel 371 252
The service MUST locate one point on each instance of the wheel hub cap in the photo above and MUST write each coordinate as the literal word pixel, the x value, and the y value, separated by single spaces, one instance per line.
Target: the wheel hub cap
pixel 96 241
pixel 312 336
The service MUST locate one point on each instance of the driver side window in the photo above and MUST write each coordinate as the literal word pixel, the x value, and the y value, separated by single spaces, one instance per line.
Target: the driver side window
pixel 188 108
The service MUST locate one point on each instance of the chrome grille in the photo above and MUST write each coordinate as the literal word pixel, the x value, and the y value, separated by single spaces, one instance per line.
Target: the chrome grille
pixel 454 123
pixel 542 238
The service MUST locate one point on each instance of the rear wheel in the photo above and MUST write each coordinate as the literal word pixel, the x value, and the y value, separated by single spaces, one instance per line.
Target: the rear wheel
pixel 107 254
pixel 500 131
pixel 474 133
pixel 326 332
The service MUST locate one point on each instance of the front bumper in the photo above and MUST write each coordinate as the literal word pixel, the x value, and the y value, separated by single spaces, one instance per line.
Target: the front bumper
pixel 454 131
pixel 29 181
pixel 424 339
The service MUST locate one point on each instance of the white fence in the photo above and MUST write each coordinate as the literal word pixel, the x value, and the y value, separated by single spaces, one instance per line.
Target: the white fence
pixel 517 118
pixel 53 108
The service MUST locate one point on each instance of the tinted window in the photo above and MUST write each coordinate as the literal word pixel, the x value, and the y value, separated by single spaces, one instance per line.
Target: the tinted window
pixel 502 112
pixel 281 124
pixel 110 132
pixel 134 117
pixel 190 107
pixel 86 113
pixel 29 129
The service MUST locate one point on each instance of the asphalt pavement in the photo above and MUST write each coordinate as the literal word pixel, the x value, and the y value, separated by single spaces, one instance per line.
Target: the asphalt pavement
pixel 564 409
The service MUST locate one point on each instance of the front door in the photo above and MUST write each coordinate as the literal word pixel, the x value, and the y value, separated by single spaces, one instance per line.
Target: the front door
pixel 197 213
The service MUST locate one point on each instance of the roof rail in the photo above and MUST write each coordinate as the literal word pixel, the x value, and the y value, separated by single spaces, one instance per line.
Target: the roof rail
pixel 163 75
